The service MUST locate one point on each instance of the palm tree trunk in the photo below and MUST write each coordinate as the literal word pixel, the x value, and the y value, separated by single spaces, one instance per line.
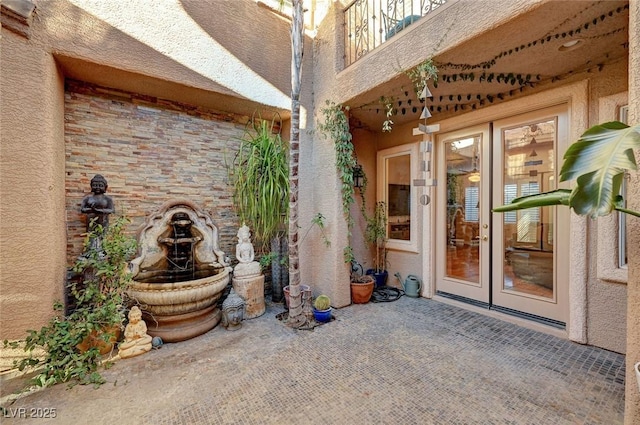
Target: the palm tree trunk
pixel 296 316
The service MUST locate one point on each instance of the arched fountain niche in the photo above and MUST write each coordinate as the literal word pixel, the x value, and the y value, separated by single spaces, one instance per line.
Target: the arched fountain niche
pixel 180 274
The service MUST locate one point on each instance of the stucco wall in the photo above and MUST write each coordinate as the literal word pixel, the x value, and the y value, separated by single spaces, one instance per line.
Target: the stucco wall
pixel 632 395
pixel 606 300
pixel 197 43
pixel 323 267
pixel 32 238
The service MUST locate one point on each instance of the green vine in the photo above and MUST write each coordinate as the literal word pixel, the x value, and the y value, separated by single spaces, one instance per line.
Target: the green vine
pixel 98 312
pixel 387 102
pixel 423 72
pixel 336 127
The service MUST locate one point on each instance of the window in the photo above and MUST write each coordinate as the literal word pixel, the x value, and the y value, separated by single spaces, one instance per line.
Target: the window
pixel 471 204
pixel 397 167
pixel 612 243
pixel 623 116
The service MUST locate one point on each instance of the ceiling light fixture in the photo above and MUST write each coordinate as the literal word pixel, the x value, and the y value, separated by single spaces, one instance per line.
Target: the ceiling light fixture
pixel 571 45
pixel 474 177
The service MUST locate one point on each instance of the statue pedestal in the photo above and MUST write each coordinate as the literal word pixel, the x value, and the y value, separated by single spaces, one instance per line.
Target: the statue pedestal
pixel 251 290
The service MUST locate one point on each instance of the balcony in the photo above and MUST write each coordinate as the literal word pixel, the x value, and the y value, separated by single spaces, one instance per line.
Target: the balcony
pixel 369 23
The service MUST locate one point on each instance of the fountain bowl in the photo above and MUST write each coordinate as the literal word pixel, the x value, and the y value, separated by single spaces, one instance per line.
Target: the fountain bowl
pixel 180 273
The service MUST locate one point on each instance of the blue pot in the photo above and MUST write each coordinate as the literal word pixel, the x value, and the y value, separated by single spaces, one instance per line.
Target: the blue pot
pixel 322 316
pixel 380 277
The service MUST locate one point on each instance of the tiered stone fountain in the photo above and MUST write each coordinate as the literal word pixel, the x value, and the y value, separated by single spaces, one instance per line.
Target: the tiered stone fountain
pixel 180 274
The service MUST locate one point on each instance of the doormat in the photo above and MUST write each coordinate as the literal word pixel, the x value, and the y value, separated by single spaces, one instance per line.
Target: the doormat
pixel 385 294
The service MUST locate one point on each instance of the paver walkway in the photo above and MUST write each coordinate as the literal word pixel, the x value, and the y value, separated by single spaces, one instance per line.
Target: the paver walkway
pixel 412 361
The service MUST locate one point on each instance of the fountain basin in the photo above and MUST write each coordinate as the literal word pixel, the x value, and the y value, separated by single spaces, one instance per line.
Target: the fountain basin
pixel 176 311
pixel 180 274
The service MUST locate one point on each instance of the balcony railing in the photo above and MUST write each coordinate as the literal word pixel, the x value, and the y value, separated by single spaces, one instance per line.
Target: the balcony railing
pixel 369 23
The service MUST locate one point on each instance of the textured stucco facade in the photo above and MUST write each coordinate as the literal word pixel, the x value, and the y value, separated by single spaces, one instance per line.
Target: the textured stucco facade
pixel 632 395
pixel 32 234
pixel 190 59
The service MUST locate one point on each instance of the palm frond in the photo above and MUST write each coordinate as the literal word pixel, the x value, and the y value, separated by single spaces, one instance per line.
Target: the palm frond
pixel 598 161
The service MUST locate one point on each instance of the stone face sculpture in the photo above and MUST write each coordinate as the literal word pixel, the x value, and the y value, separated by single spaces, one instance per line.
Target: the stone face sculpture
pixel 233 311
pixel 97 206
pixel 136 341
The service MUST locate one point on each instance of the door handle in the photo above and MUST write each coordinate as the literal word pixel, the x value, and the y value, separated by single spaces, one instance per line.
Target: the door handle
pixel 485 238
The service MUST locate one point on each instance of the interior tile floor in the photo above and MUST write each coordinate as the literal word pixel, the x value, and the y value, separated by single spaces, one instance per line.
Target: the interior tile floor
pixel 411 361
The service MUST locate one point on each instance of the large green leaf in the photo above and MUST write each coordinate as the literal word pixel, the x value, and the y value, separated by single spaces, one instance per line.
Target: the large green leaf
pixel 555 197
pixel 598 160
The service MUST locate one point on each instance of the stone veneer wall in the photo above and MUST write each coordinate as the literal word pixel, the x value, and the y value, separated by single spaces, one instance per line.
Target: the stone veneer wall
pixel 150 150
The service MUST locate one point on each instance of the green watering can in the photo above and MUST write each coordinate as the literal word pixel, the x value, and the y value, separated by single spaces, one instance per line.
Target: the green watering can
pixel 411 285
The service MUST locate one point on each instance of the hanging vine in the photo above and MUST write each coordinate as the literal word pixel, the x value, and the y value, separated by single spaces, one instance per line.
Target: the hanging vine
pixel 335 126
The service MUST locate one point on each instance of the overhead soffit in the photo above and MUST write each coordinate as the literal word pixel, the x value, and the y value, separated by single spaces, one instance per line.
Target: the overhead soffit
pixel 102 75
pixel 519 57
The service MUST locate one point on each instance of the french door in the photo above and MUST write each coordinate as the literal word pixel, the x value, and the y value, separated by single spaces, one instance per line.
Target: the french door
pixel 515 261
pixel 463 214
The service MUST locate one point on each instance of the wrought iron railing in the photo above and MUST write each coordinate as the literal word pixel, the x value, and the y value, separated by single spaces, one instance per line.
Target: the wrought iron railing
pixel 369 23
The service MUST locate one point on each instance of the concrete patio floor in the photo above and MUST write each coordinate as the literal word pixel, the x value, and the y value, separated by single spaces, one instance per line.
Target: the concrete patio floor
pixel 412 361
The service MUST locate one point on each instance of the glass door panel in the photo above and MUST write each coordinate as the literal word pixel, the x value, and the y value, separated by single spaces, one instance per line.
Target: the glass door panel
pixel 462 253
pixel 463 204
pixel 528 169
pixel 528 245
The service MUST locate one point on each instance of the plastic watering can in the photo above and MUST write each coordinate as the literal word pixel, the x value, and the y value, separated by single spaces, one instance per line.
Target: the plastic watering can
pixel 411 285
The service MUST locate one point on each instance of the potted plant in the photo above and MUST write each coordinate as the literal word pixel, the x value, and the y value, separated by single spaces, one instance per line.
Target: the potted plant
pixel 322 309
pixel 376 234
pixel 259 174
pixel 73 343
pixel 362 285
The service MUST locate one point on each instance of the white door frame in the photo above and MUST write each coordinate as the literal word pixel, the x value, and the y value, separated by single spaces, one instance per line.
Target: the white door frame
pixel 576 95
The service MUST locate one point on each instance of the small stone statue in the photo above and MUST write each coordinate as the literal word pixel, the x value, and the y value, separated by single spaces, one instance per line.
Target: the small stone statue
pixel 233 311
pixel 97 206
pixel 248 280
pixel 136 340
pixel 244 248
pixel 245 255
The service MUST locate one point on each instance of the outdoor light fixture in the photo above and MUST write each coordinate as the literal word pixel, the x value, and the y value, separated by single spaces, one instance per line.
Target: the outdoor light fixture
pixel 571 45
pixel 358 176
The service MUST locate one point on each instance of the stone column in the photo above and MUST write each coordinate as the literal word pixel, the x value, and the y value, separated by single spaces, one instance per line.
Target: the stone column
pixel 248 280
pixel 251 289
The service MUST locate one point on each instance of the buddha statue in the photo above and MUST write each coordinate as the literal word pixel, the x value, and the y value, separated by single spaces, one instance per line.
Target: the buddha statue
pixel 245 255
pixel 97 206
pixel 136 340
pixel 244 248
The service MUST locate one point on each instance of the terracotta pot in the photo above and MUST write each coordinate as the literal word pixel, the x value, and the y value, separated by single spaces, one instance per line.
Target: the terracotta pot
pixel 362 289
